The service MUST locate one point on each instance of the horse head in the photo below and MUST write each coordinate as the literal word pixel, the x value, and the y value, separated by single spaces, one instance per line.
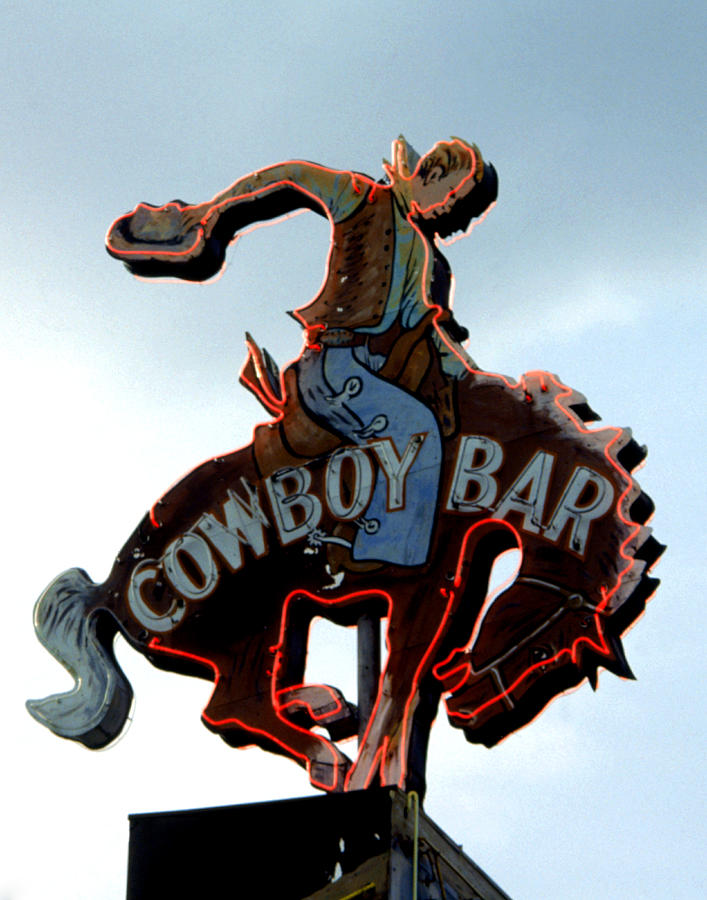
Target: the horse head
pixel 582 580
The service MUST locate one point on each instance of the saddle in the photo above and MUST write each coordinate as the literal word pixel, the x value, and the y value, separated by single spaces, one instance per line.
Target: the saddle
pixel 295 437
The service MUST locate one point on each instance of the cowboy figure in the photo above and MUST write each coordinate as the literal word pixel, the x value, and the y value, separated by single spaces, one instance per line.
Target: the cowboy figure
pixel 382 349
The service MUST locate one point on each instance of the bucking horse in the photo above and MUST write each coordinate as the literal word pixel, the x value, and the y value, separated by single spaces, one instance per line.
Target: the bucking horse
pixel 224 575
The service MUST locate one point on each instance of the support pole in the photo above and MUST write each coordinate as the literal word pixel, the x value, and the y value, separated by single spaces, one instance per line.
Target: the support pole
pixel 369 668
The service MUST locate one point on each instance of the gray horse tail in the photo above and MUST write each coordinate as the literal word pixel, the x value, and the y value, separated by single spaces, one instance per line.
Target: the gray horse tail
pixel 71 624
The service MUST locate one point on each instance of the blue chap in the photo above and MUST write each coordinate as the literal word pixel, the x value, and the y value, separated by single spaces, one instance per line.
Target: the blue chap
pixel 338 388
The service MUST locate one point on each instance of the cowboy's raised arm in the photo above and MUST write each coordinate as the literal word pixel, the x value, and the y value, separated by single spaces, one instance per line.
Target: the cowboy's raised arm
pixel 189 241
pixel 285 187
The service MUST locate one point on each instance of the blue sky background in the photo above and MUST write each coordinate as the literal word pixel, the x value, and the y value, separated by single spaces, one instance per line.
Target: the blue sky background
pixel 591 266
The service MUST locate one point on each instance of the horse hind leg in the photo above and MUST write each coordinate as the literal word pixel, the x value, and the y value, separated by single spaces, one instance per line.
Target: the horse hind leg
pixel 79 634
pixel 257 721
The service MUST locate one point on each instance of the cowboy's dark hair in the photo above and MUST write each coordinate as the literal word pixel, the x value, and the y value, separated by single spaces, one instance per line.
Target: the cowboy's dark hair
pixel 447 155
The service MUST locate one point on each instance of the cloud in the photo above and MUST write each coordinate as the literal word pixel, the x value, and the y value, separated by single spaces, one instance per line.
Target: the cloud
pixel 564 314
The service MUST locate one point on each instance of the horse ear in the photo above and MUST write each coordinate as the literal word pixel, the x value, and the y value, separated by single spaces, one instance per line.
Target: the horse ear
pixel 616 662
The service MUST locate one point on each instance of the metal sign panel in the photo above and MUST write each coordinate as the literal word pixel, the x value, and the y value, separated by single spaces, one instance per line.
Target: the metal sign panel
pixel 391 475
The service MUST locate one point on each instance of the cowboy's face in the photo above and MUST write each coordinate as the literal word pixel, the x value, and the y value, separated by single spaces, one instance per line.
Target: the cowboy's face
pixel 445 201
pixel 439 191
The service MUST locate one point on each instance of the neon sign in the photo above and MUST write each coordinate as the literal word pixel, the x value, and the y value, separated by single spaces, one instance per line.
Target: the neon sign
pixel 393 473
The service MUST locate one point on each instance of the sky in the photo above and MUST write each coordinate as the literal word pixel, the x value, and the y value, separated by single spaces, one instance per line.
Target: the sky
pixel 591 266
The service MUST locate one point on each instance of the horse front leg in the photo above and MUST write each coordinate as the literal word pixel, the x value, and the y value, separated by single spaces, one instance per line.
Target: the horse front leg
pixel 387 745
pixel 394 745
pixel 425 621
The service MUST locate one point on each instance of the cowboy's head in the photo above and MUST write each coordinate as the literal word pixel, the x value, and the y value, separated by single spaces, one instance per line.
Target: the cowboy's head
pixel 450 186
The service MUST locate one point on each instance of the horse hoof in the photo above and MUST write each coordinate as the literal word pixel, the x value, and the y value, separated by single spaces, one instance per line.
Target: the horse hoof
pixel 329 776
pixel 319 704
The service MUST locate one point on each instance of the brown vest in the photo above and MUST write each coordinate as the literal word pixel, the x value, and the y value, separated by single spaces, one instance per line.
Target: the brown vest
pixel 360 267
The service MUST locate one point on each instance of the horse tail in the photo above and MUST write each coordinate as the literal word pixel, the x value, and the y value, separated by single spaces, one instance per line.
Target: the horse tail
pixel 79 632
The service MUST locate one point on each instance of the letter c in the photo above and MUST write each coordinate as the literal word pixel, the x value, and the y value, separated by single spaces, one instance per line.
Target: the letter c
pixel 146 571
